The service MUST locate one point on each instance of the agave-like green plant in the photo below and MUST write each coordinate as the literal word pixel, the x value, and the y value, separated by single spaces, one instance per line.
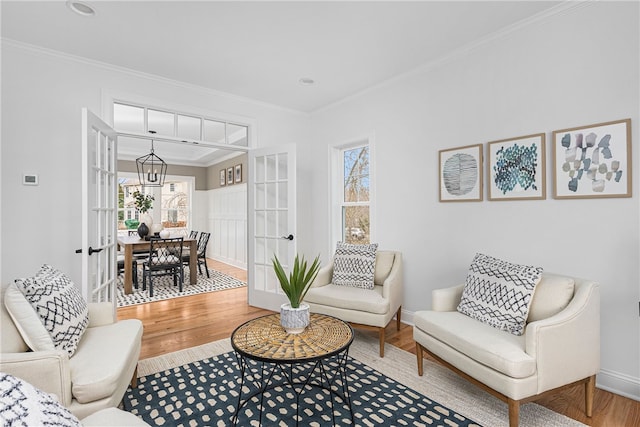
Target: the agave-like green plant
pixel 299 281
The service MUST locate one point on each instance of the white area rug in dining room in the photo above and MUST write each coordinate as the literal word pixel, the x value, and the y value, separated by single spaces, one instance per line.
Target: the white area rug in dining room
pixel 163 287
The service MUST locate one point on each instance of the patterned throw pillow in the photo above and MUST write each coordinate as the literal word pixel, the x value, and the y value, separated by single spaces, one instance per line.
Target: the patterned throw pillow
pixel 354 265
pixel 59 304
pixel 21 404
pixel 499 293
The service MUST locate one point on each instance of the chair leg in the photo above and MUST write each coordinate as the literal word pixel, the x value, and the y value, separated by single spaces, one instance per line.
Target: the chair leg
pixel 381 334
pixel 134 271
pixel 398 314
pixel 514 412
pixel 589 393
pixel 204 262
pixel 420 359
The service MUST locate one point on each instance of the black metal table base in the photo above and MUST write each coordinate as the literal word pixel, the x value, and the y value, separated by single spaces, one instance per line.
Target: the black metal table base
pixel 324 373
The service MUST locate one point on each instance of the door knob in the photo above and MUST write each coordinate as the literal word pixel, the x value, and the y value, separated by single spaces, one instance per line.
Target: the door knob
pixel 289 237
pixel 91 250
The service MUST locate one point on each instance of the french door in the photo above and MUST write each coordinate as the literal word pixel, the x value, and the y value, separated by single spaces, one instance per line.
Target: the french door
pixel 99 209
pixel 272 222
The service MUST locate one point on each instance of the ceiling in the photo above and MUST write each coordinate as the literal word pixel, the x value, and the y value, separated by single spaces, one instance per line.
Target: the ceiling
pixel 260 50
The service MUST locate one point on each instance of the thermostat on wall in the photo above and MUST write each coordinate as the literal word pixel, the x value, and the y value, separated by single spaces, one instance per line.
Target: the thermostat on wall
pixel 29 179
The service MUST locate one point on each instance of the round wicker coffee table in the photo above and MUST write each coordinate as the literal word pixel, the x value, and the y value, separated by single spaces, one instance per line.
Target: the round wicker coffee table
pixel 272 360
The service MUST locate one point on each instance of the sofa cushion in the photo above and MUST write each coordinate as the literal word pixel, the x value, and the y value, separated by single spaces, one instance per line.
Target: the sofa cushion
pixel 26 320
pixel 11 340
pixel 59 304
pixel 499 293
pixel 492 347
pixel 551 296
pixel 384 263
pixel 354 265
pixel 368 300
pixel 104 353
pixel 21 404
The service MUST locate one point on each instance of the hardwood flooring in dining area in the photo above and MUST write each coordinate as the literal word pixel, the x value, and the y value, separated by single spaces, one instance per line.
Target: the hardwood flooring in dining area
pixel 185 322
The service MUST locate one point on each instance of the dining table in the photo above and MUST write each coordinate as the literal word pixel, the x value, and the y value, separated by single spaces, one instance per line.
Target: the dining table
pixel 134 243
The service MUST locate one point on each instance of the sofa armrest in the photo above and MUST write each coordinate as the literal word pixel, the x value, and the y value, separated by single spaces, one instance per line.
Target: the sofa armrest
pixel 566 346
pixel 392 285
pixel 47 370
pixel 446 299
pixel 100 314
pixel 325 274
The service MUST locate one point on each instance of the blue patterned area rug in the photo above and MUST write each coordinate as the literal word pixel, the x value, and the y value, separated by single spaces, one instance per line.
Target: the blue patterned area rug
pixel 198 387
pixel 163 287
pixel 205 393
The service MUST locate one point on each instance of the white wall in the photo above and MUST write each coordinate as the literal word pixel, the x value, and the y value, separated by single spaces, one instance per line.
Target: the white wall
pixel 226 217
pixel 575 69
pixel 42 96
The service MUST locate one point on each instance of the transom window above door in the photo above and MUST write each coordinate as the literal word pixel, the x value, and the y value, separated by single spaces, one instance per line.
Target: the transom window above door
pixel 143 119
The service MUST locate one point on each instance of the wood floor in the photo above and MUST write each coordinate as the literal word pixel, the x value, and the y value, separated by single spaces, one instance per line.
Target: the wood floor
pixel 190 321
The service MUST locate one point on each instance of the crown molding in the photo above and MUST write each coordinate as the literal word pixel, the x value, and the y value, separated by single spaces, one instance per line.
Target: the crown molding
pixel 567 6
pixel 139 74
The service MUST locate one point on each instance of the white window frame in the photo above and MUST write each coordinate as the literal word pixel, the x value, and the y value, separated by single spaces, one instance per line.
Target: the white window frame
pixel 336 186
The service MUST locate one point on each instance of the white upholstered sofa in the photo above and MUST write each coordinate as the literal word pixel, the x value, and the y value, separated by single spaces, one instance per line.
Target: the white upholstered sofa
pixel 362 307
pixel 94 378
pixel 560 346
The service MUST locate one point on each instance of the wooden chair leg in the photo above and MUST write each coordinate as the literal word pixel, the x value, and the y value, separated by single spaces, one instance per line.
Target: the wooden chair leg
pixel 134 378
pixel 589 393
pixel 420 359
pixel 514 412
pixel 381 334
pixel 398 314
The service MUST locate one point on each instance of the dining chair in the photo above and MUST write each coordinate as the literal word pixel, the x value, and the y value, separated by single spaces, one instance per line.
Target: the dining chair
pixel 165 258
pixel 134 268
pixel 201 255
pixel 193 234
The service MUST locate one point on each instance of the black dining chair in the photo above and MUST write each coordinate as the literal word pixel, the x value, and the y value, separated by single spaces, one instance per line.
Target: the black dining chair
pixel 193 234
pixel 134 268
pixel 165 258
pixel 201 255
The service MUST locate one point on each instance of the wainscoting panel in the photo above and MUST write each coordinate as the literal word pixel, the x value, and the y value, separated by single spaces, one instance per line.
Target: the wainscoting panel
pixel 227 220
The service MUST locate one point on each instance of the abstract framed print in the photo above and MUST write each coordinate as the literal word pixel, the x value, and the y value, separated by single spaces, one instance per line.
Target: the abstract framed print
pixel 516 168
pixel 592 161
pixel 461 174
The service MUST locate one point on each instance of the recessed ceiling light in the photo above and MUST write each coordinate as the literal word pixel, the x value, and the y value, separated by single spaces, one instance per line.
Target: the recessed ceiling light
pixel 307 81
pixel 81 8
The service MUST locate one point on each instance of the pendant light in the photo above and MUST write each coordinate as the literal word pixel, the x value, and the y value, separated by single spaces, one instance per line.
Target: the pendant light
pixel 152 170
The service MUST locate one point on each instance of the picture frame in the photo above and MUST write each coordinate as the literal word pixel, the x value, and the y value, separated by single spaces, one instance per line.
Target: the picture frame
pixel 592 161
pixel 238 173
pixel 460 174
pixel 516 168
pixel 230 176
pixel 223 177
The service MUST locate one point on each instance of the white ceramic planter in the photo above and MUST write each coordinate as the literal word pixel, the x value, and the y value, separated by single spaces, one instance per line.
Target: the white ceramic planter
pixel 294 320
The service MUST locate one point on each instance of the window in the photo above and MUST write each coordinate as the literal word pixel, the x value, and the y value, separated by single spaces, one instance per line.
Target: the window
pixel 353 194
pixel 172 187
pixel 142 118
pixel 175 205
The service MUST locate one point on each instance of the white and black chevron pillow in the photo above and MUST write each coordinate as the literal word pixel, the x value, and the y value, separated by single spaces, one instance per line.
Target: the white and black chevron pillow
pixel 354 265
pixel 499 293
pixel 59 304
pixel 21 404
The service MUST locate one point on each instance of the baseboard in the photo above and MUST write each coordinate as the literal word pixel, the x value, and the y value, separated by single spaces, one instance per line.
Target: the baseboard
pixel 611 381
pixel 618 383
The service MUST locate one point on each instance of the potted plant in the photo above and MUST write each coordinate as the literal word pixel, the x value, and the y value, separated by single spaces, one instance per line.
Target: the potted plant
pixel 143 203
pixel 294 315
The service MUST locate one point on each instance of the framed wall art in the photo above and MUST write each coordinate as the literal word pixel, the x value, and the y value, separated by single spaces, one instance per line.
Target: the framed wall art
pixel 516 168
pixel 223 177
pixel 238 173
pixel 461 174
pixel 592 161
pixel 230 176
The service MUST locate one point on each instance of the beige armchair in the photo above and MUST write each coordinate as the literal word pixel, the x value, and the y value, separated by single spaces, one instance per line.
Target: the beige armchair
pixel 559 348
pixel 98 373
pixel 372 309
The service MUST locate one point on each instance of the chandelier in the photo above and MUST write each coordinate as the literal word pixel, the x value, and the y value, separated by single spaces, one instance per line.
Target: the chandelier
pixel 152 170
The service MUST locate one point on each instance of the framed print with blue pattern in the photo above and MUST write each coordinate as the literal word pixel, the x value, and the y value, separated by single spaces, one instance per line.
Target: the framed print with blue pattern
pixel 516 168
pixel 592 161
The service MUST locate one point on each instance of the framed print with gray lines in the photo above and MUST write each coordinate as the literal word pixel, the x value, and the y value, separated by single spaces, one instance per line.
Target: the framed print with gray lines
pixel 592 161
pixel 516 168
pixel 461 174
